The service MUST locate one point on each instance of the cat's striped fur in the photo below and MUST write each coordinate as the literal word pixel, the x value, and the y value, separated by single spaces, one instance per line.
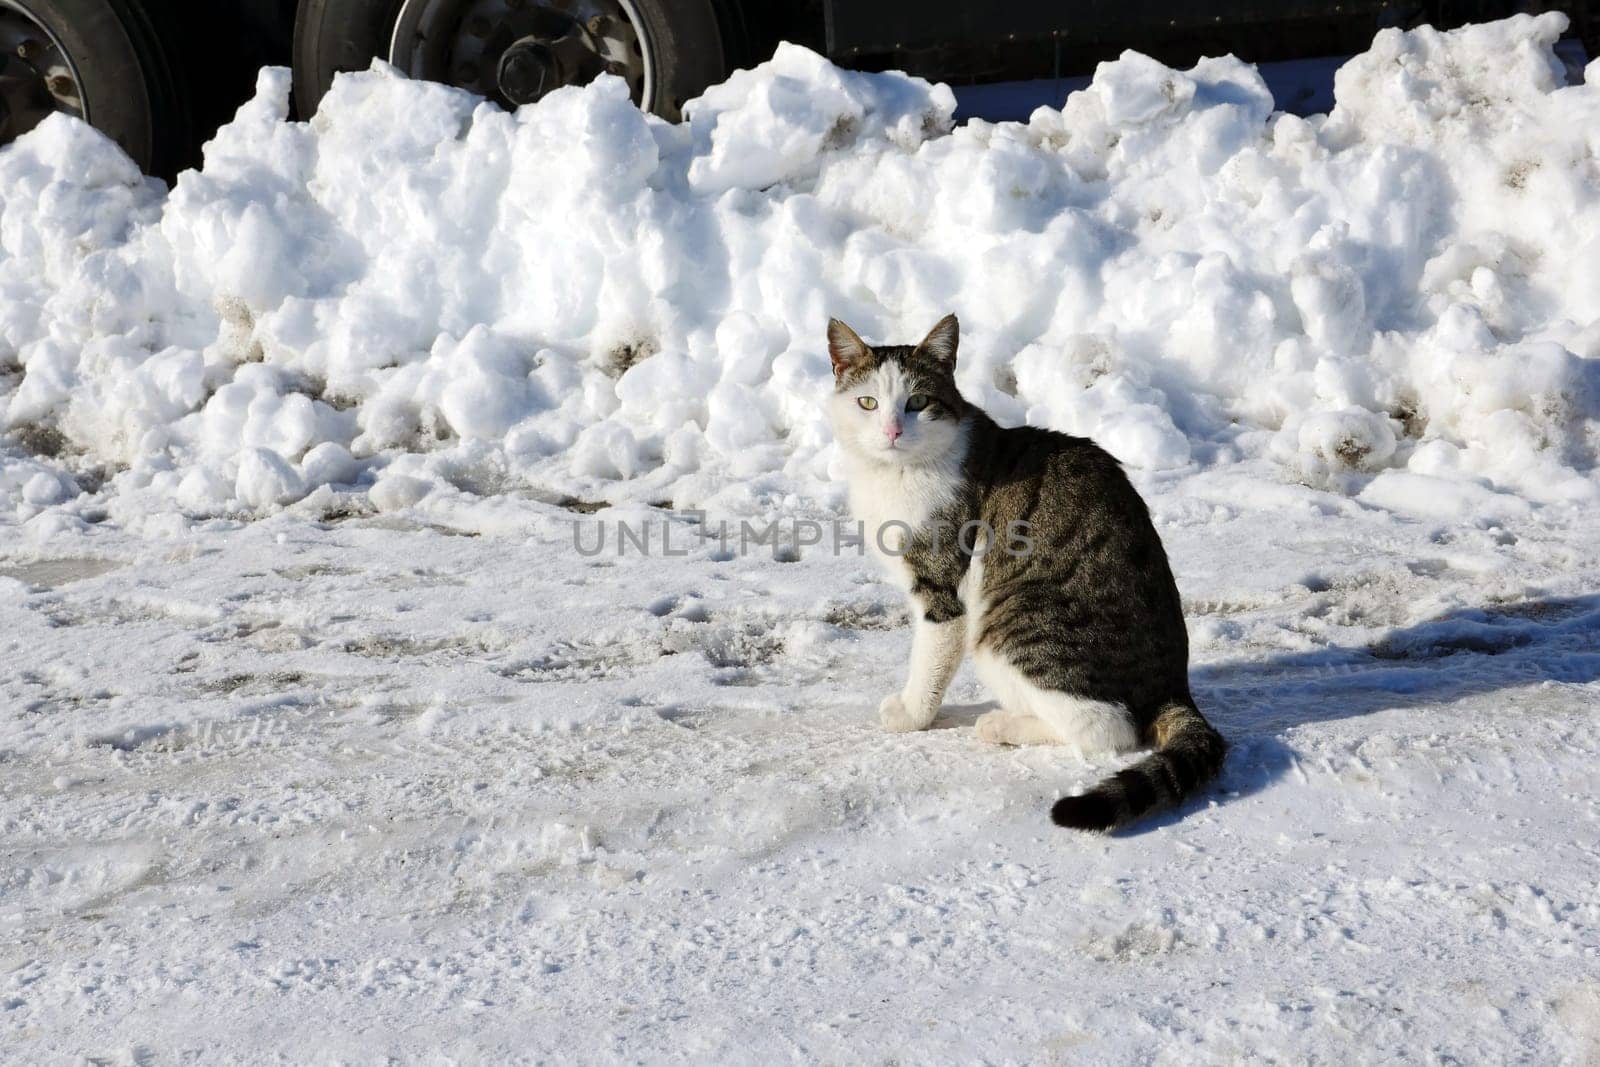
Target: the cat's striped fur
pixel 1079 632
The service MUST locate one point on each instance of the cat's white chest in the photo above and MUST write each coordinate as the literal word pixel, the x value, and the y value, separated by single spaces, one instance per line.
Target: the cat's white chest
pixel 892 504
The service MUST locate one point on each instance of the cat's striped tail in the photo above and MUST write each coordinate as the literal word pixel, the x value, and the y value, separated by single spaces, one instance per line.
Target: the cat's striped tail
pixel 1188 755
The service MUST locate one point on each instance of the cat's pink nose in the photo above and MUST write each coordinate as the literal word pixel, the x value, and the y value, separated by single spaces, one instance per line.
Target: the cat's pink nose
pixel 892 430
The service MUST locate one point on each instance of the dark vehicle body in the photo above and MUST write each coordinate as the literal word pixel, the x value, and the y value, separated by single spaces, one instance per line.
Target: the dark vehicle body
pixel 160 75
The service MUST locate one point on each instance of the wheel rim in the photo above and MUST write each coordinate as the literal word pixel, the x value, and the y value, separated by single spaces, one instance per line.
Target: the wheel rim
pixel 517 51
pixel 37 77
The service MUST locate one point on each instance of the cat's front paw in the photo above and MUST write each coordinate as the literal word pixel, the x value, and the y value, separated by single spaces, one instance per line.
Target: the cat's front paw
pixel 895 717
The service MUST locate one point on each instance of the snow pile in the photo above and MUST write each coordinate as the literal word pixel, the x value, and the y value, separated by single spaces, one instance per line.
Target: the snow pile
pixel 417 295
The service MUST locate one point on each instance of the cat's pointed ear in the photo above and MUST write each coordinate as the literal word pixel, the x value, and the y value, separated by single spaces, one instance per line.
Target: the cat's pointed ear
pixel 848 351
pixel 942 340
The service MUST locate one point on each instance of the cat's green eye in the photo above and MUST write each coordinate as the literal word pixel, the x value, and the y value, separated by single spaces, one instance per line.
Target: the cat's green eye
pixel 868 403
pixel 916 401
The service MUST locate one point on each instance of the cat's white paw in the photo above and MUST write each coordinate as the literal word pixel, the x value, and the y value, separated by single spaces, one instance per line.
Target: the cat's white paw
pixel 895 717
pixel 994 727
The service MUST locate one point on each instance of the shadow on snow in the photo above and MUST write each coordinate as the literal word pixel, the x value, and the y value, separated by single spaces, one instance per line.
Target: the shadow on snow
pixel 1464 653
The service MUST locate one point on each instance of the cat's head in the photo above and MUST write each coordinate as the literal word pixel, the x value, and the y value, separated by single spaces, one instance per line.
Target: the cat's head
pixel 896 404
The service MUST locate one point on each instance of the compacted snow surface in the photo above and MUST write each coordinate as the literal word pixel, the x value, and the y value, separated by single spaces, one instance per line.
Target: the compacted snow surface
pixel 327 732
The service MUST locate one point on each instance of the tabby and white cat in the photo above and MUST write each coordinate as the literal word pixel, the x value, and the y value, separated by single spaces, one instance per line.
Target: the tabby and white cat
pixel 1059 586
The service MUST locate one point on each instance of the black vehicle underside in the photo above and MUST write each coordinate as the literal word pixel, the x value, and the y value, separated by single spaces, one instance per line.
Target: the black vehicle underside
pixel 961 42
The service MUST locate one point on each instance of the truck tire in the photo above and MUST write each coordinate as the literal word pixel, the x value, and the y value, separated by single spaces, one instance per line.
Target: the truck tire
pixel 117 72
pixel 680 43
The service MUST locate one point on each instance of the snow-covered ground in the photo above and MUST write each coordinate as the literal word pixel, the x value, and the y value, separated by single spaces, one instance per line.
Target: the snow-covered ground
pixel 326 733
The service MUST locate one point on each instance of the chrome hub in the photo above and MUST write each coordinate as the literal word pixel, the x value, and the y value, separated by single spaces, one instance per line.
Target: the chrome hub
pixel 36 77
pixel 517 51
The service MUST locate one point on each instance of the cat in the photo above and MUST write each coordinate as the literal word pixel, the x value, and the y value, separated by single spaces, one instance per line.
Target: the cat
pixel 1032 550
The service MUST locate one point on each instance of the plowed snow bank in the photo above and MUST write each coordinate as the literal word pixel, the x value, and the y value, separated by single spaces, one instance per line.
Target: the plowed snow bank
pixel 418 294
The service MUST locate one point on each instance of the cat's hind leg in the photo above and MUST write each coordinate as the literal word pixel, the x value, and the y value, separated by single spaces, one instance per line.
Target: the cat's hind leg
pixel 1035 715
pixel 1014 728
